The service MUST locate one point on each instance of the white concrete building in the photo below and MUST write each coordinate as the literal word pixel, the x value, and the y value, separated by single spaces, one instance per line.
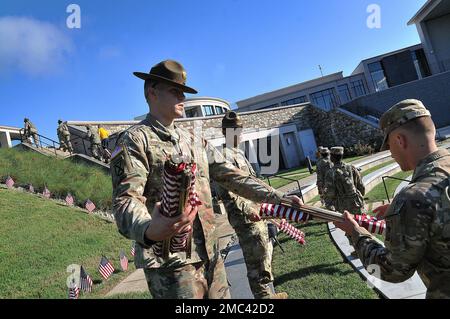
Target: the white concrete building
pixel 201 107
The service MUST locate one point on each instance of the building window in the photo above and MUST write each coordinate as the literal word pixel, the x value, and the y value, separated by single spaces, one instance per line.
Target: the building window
pixel 297 100
pixel 358 88
pixel 219 110
pixel 325 99
pixel 344 93
pixel 208 110
pixel 378 77
pixel 192 111
pixel 420 63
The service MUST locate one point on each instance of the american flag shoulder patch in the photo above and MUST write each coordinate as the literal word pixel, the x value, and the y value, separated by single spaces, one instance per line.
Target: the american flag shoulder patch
pixel 117 151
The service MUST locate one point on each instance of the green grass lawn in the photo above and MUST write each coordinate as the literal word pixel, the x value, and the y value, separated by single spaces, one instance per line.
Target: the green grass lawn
pixel 60 176
pixel 317 270
pixel 39 238
pixel 378 193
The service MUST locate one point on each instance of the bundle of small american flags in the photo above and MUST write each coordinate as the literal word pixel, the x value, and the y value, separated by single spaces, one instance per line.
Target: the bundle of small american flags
pixel 372 224
pixel 290 230
pixel 178 190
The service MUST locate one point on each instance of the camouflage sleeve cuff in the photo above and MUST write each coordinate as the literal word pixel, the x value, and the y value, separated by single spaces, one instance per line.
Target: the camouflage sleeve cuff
pixel 139 232
pixel 359 233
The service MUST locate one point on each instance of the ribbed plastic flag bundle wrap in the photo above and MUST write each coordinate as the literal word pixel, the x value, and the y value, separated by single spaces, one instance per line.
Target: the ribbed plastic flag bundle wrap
pixel 178 191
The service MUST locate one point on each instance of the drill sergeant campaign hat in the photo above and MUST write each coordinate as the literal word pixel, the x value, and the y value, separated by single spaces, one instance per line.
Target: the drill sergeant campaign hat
pixel 231 120
pixel 400 114
pixel 337 150
pixel 170 72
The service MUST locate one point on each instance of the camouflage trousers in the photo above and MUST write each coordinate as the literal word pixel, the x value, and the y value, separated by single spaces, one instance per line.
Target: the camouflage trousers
pixel 203 280
pixel 353 205
pixel 65 143
pixel 257 251
pixel 96 151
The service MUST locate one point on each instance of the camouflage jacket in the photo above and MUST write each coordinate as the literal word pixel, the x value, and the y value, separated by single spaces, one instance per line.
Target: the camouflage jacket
pixel 417 230
pixel 136 169
pixel 63 130
pixel 93 136
pixel 343 183
pixel 235 204
pixel 30 128
pixel 323 166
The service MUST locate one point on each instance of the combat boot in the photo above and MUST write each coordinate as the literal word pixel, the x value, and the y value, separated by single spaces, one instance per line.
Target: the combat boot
pixel 279 295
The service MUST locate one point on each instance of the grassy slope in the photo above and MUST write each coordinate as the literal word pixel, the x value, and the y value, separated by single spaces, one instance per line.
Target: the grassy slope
pixel 317 270
pixel 60 176
pixel 40 238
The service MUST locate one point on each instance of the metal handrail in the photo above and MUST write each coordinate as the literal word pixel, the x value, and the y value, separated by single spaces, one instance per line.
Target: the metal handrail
pixel 53 143
pixel 288 179
pixel 385 187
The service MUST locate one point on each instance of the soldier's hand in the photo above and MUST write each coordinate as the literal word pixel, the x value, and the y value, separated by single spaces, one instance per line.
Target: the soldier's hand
pixel 348 225
pixel 162 227
pixel 381 211
pixel 295 199
pixel 254 216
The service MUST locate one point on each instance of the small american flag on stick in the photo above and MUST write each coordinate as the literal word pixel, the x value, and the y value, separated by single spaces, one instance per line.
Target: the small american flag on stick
pixel 46 193
pixel 105 268
pixel 69 199
pixel 85 280
pixel 123 261
pixel 74 290
pixel 89 206
pixel 9 182
pixel 133 244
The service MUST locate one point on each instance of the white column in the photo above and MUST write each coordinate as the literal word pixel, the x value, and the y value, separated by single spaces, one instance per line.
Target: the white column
pixel 5 140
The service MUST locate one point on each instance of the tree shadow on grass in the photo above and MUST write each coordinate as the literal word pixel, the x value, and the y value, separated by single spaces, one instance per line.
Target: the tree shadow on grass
pixel 329 269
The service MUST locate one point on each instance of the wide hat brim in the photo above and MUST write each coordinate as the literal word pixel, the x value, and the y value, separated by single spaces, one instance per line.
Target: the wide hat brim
pixel 148 76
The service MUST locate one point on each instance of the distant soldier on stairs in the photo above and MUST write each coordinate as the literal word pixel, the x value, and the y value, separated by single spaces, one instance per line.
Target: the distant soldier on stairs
pixel 64 137
pixel 31 131
pixel 323 165
pixel 344 189
pixel 94 138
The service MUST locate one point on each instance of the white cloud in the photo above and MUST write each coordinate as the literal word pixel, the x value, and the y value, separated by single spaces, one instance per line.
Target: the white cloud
pixel 32 46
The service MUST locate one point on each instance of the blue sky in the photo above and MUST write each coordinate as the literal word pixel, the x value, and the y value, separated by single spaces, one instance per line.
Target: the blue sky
pixel 232 49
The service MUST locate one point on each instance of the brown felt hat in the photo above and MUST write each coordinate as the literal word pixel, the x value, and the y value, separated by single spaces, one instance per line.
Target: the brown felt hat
pixel 170 72
pixel 231 120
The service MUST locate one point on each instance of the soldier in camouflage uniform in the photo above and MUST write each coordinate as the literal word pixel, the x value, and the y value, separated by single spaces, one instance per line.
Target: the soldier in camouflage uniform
pixel 418 220
pixel 344 189
pixel 136 169
pixel 64 136
pixel 250 229
pixel 31 131
pixel 96 144
pixel 323 165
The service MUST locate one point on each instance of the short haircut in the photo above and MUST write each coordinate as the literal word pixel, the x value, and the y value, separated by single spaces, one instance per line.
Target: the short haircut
pixel 420 126
pixel 147 85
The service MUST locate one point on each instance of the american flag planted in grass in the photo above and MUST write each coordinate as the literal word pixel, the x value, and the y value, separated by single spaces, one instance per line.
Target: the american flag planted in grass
pixel 133 244
pixel 74 291
pixel 69 199
pixel 9 182
pixel 85 280
pixel 46 193
pixel 178 190
pixel 123 261
pixel 105 268
pixel 89 206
